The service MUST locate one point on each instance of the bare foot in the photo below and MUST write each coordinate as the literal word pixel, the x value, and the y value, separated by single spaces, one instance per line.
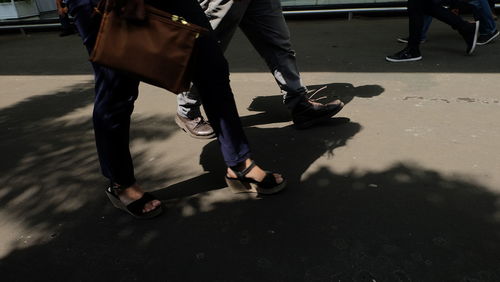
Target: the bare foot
pixel 133 193
pixel 256 173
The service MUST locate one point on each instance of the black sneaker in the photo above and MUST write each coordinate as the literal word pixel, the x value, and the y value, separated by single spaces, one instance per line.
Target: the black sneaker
pixel 405 55
pixel 406 39
pixel 484 39
pixel 307 112
pixel 470 33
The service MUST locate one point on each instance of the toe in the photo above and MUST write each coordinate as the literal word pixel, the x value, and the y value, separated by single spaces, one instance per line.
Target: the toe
pixel 278 177
pixel 151 206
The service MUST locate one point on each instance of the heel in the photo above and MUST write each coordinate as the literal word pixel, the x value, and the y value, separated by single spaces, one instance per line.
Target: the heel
pixel 113 198
pixel 237 186
pixel 269 190
pixel 243 184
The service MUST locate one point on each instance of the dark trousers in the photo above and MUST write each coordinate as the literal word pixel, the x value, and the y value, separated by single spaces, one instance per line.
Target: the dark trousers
pixel 116 94
pixel 65 22
pixel 416 11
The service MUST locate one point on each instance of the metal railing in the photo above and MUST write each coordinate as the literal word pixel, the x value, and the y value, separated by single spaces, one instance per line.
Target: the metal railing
pixel 310 11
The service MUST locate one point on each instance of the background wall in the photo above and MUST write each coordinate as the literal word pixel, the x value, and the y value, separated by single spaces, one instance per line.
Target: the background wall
pixel 333 2
pixel 46 5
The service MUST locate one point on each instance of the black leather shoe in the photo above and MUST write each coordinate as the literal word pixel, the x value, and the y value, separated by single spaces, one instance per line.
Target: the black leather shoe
pixel 196 128
pixel 308 112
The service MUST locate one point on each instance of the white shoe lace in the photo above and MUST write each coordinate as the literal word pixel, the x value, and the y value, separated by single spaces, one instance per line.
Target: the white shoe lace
pixel 314 92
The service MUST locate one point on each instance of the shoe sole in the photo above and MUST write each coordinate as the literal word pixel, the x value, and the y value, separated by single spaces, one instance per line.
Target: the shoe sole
pixel 274 190
pixel 489 40
pixel 405 60
pixel 312 122
pixel 239 187
pixel 183 128
pixel 474 43
pixel 121 206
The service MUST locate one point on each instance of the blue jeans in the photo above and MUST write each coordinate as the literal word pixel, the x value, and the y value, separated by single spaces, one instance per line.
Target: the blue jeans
pixel 116 94
pixel 419 9
pixel 263 24
pixel 425 28
pixel 482 13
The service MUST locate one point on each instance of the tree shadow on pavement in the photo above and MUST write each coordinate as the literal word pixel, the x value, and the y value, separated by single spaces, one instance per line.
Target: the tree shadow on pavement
pixel 272 110
pixel 284 150
pixel 405 223
pixel 49 170
pixel 402 223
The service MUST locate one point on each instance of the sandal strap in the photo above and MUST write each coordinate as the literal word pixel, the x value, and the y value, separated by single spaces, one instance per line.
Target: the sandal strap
pixel 136 206
pixel 269 181
pixel 114 188
pixel 241 174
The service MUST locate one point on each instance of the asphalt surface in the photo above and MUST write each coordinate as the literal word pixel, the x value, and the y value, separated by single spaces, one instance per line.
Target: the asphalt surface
pixel 402 185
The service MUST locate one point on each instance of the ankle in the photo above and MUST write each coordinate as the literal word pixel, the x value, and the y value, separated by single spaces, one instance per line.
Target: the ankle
pixel 241 166
pixel 128 194
pixel 246 169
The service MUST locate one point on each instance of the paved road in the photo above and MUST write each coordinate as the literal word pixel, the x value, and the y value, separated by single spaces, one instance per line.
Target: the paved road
pixel 402 186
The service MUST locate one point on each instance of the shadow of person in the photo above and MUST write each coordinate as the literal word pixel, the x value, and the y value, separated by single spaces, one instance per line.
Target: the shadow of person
pixel 346 92
pixel 272 110
pixel 402 223
pixel 284 150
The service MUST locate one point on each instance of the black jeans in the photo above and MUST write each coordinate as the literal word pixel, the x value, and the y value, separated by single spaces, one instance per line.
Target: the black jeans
pixel 416 11
pixel 116 94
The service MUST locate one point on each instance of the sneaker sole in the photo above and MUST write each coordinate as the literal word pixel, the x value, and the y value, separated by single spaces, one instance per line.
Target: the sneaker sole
pixel 489 40
pixel 312 122
pixel 405 60
pixel 474 43
pixel 181 126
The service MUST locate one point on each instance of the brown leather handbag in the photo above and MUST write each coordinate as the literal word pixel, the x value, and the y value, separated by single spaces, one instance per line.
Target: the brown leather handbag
pixel 158 50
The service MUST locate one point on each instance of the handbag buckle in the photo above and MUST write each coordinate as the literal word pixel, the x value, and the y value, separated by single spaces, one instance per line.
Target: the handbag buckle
pixel 179 19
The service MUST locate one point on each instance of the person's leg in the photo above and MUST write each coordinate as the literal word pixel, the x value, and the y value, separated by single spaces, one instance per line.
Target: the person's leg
pixel 416 17
pixel 114 102
pixel 188 105
pixel 265 27
pixel 189 117
pixel 492 3
pixel 66 26
pixel 416 23
pixel 224 17
pixel 469 31
pixel 488 28
pixel 425 28
pixel 211 78
pixel 436 10
pixel 482 13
